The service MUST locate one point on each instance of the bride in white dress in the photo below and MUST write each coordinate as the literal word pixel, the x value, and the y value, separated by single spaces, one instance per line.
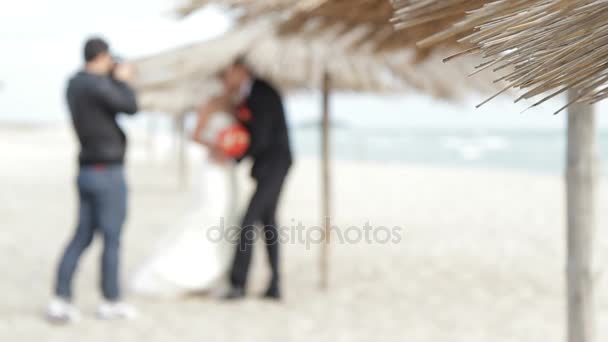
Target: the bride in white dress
pixel 192 241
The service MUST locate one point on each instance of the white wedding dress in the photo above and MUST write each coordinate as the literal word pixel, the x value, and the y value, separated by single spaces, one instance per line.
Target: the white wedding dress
pixel 193 257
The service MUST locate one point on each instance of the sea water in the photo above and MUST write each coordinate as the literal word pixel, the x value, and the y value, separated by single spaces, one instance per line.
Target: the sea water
pixel 536 150
pixel 418 129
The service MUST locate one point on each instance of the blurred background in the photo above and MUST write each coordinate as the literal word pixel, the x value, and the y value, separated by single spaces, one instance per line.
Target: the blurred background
pixel 478 194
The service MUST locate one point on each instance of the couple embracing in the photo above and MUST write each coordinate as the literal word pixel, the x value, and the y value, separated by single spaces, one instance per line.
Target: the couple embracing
pixel 257 106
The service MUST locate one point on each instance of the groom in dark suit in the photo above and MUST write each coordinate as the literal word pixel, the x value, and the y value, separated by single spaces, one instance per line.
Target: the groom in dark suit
pixel 260 109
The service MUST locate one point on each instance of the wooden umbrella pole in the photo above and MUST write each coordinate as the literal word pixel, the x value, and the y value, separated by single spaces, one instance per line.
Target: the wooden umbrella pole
pixel 581 185
pixel 325 182
pixel 151 141
pixel 182 151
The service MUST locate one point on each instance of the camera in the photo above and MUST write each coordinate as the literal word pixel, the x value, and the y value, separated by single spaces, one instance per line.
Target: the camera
pixel 117 61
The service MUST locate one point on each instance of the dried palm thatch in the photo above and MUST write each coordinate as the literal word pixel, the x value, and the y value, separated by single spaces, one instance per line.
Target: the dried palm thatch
pixel 368 19
pixel 177 81
pixel 187 7
pixel 441 18
pixel 552 45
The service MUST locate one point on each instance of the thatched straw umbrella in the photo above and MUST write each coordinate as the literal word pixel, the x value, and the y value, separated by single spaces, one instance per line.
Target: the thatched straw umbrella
pixel 554 46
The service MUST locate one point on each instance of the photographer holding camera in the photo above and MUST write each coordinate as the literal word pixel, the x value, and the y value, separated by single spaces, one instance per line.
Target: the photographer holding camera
pixel 95 96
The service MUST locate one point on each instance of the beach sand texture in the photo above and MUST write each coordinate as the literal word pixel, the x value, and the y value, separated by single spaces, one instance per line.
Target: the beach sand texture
pixel 481 256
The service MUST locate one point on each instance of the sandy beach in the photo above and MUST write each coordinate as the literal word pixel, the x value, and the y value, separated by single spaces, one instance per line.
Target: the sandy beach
pixel 481 256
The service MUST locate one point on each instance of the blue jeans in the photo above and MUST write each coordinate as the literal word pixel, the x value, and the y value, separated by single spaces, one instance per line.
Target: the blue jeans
pixel 103 208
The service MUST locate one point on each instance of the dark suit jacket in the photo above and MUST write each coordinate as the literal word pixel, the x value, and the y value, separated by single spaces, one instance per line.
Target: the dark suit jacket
pixel 269 148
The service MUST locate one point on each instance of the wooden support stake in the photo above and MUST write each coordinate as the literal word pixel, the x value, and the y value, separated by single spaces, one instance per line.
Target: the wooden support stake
pixel 581 185
pixel 182 154
pixel 325 181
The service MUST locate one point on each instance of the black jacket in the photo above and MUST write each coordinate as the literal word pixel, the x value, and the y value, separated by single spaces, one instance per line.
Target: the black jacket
pixel 270 148
pixel 94 102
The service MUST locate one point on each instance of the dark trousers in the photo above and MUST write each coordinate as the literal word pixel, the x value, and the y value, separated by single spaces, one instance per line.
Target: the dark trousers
pixel 262 209
pixel 103 207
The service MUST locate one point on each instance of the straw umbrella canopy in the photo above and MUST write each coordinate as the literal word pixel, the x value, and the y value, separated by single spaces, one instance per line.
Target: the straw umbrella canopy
pixel 176 81
pixel 189 72
pixel 554 46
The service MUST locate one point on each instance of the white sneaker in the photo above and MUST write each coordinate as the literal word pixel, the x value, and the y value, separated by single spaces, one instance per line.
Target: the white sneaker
pixel 115 311
pixel 62 311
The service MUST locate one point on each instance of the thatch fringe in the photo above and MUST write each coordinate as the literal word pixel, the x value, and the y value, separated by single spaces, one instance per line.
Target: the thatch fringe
pixel 551 45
